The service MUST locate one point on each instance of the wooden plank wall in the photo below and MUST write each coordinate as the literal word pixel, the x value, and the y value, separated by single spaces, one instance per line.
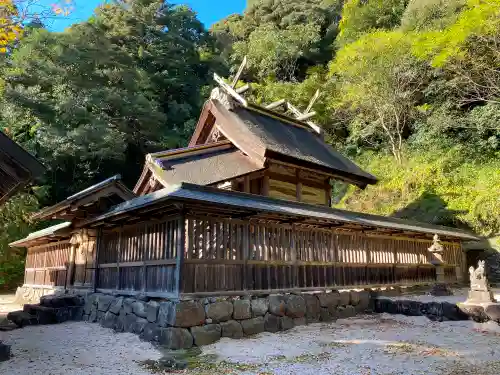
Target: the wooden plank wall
pixel 84 262
pixel 236 255
pixel 140 258
pixel 47 265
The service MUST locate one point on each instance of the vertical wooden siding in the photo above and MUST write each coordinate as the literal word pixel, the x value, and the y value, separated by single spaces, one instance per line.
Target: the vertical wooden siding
pixel 234 255
pixel 47 265
pixel 84 262
pixel 139 258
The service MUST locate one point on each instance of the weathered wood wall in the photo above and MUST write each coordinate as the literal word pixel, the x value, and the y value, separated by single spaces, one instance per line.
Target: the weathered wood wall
pixel 236 255
pixel 47 265
pixel 211 255
pixel 140 258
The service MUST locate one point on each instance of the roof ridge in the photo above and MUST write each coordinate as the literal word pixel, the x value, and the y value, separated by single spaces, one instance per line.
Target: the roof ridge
pixel 187 150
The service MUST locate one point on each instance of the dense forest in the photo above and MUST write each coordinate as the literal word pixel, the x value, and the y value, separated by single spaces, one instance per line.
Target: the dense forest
pixel 410 90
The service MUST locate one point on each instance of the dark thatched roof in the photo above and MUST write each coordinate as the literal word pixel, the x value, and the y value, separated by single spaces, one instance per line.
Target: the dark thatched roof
pixel 243 204
pixel 17 167
pixel 215 165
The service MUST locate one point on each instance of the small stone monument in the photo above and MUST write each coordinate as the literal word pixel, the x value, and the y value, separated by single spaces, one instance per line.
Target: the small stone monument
pixel 436 249
pixel 479 287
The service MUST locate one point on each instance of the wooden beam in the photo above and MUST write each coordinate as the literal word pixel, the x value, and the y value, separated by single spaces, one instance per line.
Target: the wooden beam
pixel 243 89
pixel 246 184
pixel 265 186
pixel 306 116
pixel 239 72
pixel 276 104
pixel 230 90
pixel 313 100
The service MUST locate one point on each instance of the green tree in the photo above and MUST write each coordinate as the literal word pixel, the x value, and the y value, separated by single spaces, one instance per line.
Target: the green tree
pixel 431 14
pixel 364 16
pixel 381 83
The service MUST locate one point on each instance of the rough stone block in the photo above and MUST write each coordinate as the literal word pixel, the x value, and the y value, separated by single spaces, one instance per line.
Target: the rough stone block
pixel 189 314
pixel 299 322
pixel 175 338
pixel 409 308
pixel 260 306
pixel 277 304
pixel 344 312
pixel 313 307
pixel 329 300
pixel 100 315
pixel 232 329
pixel 116 305
pixel 354 297
pixel 139 309
pixel 295 306
pixel 152 308
pixel 4 352
pixel 166 314
pixel 151 333
pixel 326 315
pixel 384 305
pixel 109 320
pixel 120 322
pixel 76 313
pixel 493 311
pixel 48 315
pixel 475 312
pixel 63 314
pixel 219 311
pixel 271 323
pixel 286 323
pixel 138 326
pixel 451 311
pixel 364 301
pixel 205 335
pixel 22 318
pixel 127 305
pixel 344 298
pixel 129 322
pixel 253 326
pixel 93 316
pixel 242 309
pixel 441 290
pixel 104 301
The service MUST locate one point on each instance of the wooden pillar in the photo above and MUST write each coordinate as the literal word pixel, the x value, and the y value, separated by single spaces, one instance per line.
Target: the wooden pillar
pixel 70 270
pixel 180 244
pixel 246 184
pixel 96 259
pixel 298 186
pixel 265 186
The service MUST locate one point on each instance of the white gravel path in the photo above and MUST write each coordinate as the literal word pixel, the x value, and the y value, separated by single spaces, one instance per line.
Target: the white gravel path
pixel 367 345
pixel 75 348
pixel 383 344
pixel 459 295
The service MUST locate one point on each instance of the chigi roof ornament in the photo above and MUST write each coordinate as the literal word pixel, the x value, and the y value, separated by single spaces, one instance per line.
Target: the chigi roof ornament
pixel 228 95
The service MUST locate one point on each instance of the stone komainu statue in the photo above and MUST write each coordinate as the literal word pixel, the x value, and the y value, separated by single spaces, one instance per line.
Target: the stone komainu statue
pixel 478 280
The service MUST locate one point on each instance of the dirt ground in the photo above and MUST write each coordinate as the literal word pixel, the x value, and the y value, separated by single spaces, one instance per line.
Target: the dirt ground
pixel 364 345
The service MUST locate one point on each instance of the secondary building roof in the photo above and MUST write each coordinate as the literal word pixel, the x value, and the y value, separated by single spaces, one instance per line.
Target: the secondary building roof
pixel 203 165
pixel 236 204
pixel 88 201
pixel 54 232
pixel 17 167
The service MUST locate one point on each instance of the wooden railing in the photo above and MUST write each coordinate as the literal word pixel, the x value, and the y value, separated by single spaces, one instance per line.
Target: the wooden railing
pixel 205 255
pixel 140 258
pixel 47 265
pixel 237 255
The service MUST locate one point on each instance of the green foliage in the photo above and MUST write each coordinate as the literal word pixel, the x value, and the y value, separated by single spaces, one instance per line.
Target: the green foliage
pixel 272 51
pixel 437 186
pixel 14 224
pixel 282 38
pixel 431 14
pixel 380 82
pixel 92 100
pixel 363 16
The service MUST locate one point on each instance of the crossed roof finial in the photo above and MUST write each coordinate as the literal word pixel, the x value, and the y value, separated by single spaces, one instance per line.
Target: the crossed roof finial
pixel 237 95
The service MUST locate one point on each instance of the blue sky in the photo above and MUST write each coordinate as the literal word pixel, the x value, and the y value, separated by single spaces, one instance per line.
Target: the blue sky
pixel 209 11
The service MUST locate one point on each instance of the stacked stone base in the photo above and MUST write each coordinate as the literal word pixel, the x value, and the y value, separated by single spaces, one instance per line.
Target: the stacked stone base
pixel 181 325
pixel 51 310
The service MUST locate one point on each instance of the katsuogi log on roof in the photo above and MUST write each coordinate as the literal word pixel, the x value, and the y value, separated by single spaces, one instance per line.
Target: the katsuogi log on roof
pixel 17 167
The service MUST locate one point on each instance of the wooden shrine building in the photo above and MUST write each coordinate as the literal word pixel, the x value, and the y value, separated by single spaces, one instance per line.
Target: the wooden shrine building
pixel 17 168
pixel 245 208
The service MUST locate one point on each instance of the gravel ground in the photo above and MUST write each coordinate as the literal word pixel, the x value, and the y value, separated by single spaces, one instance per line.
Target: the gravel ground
pixel 74 348
pixel 366 345
pixel 459 295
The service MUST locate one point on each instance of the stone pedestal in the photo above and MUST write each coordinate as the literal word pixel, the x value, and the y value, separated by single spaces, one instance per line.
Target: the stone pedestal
pixel 480 296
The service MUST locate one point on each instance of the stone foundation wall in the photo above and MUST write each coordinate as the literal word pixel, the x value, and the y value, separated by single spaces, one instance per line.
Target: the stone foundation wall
pixel 183 324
